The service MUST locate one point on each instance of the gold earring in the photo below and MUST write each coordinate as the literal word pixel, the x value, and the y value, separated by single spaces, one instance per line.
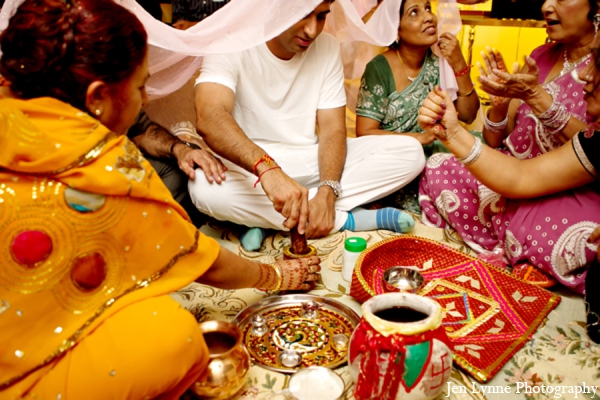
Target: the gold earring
pixel 98 112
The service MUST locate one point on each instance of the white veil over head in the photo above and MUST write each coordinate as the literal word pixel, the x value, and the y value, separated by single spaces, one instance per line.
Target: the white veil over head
pixel 176 55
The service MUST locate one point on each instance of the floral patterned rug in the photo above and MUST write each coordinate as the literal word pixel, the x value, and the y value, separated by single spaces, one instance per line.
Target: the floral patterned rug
pixel 560 358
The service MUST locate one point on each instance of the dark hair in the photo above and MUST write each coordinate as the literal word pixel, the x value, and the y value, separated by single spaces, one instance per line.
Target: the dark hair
pixel 395 45
pixel 57 48
pixel 593 9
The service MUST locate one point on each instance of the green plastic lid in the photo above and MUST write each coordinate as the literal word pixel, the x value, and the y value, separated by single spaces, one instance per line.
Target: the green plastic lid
pixel 355 244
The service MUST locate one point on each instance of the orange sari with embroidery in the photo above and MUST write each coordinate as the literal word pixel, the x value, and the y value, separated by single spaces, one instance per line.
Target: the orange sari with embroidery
pixel 91 244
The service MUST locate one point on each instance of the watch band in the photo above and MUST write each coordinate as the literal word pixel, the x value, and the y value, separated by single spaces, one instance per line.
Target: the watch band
pixel 334 185
pixel 188 144
pixel 192 145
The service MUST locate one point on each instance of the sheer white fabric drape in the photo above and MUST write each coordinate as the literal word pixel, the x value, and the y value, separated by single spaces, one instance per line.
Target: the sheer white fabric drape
pixel 176 55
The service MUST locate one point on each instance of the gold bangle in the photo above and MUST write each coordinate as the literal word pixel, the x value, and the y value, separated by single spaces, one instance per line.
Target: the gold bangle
pixel 459 94
pixel 279 277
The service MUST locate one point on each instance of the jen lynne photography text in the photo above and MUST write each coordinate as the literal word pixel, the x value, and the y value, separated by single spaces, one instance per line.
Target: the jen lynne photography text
pixel 556 391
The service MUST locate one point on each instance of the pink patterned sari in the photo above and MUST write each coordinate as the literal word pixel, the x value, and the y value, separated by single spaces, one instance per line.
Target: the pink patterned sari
pixel 549 232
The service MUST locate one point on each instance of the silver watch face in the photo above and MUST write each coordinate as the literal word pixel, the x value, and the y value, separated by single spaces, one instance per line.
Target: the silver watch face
pixel 338 187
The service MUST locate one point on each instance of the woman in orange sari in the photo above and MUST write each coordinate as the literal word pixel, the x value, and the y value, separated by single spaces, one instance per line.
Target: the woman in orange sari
pixel 92 241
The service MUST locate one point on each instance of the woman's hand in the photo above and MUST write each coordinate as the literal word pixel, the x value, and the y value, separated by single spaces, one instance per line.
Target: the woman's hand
pixel 450 49
pixel 230 271
pixel 522 85
pixel 491 83
pixel 437 115
pixel 299 274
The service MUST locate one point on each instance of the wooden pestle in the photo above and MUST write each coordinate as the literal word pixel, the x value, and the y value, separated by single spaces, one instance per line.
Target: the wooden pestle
pixel 299 245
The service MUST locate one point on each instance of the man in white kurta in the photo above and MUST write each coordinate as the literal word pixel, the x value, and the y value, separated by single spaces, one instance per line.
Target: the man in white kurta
pixel 276 114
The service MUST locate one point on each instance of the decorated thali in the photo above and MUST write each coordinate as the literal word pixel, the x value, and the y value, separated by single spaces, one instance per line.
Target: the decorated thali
pixel 290 332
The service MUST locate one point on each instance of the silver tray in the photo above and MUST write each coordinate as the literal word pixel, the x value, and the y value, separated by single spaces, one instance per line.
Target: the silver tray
pixel 290 332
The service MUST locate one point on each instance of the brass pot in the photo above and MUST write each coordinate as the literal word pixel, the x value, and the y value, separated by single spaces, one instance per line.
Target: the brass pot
pixel 228 365
pixel 288 255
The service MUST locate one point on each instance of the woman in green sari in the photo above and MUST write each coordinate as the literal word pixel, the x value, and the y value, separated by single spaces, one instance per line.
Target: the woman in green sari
pixel 396 82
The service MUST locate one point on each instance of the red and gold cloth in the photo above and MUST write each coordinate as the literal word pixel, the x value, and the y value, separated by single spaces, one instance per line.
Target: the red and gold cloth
pixel 489 314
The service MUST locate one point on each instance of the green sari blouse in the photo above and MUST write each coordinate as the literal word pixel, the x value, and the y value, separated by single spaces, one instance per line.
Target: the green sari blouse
pixel 397 112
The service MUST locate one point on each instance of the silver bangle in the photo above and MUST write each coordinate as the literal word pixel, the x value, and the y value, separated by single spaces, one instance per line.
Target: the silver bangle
pixel 555 118
pixel 473 154
pixel 495 127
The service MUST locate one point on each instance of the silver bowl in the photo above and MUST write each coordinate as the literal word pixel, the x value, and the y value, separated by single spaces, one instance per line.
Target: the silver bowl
pixel 403 279
pixel 290 358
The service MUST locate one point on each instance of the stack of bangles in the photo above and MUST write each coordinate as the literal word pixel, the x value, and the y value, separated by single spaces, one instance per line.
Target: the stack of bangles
pixel 473 154
pixel 270 163
pixel 495 127
pixel 555 118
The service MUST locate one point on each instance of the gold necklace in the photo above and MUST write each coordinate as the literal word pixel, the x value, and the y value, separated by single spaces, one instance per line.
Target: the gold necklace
pixel 404 67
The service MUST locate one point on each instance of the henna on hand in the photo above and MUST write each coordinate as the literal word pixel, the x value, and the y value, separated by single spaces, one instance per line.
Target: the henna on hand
pixel 267 278
pixel 296 273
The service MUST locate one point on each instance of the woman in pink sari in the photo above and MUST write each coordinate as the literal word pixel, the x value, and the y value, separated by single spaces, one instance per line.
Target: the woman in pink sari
pixel 546 110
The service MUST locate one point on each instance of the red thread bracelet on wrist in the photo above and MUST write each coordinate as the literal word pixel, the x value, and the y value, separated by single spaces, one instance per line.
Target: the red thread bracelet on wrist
pixel 266 158
pixel 266 170
pixel 464 71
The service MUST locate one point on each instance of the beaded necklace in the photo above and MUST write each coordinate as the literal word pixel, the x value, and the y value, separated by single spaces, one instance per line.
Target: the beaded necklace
pixel 569 66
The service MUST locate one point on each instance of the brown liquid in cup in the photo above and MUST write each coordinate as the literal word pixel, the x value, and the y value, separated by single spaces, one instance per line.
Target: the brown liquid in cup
pixel 400 314
pixel 218 342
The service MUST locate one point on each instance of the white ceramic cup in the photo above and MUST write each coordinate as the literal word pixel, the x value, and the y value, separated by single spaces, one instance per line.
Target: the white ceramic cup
pixel 313 383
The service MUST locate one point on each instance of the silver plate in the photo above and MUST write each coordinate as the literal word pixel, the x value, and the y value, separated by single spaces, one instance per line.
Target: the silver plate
pixel 292 303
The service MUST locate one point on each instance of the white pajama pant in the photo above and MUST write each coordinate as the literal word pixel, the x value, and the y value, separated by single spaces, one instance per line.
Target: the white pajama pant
pixel 375 167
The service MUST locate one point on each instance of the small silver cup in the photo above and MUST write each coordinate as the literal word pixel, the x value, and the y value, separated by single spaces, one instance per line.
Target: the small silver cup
pixel 340 342
pixel 290 358
pixel 403 279
pixel 309 309
pixel 259 325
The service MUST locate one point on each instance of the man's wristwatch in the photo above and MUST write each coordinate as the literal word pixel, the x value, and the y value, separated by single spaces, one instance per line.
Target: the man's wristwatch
pixel 188 144
pixel 334 185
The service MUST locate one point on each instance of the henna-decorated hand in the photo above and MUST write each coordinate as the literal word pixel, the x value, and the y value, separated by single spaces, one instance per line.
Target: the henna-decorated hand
pixel 491 83
pixel 299 274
